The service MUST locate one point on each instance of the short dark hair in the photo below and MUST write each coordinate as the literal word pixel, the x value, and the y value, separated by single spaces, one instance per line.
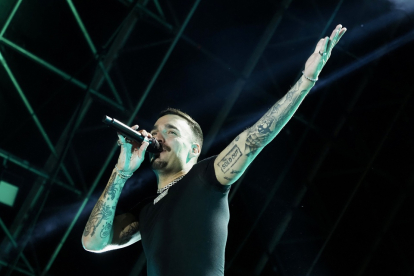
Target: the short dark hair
pixel 194 126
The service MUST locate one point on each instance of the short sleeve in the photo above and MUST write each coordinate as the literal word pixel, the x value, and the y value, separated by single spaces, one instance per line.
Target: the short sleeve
pixel 208 174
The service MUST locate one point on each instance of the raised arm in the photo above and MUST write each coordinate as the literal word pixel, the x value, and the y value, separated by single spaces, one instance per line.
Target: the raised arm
pixel 235 158
pixel 104 231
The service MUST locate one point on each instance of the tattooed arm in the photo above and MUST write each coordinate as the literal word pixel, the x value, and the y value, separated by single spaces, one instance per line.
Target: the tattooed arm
pixel 103 232
pixel 233 161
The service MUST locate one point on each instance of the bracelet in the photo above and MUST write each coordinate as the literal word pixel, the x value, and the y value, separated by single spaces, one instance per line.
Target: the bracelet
pixel 313 80
pixel 122 174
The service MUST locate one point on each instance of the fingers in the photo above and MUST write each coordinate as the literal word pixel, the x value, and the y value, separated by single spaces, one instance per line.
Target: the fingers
pixel 144 145
pixel 335 32
pixel 341 33
pixel 125 142
pixel 325 45
pixel 322 45
pixel 319 45
pixel 132 152
pixel 330 42
pixel 121 139
pixel 143 148
pixel 336 36
pixel 144 133
pixel 122 143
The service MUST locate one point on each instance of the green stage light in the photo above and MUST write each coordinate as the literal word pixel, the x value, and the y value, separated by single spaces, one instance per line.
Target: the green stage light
pixel 8 193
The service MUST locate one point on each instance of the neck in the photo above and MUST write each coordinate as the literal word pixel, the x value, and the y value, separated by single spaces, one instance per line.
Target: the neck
pixel 164 179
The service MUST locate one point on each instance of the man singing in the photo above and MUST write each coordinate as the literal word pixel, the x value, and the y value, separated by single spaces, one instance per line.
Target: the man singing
pixel 184 229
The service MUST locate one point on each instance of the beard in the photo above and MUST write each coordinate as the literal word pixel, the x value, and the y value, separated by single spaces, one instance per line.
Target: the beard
pixel 158 165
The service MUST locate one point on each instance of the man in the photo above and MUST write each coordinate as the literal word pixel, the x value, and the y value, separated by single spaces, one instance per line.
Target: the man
pixel 184 229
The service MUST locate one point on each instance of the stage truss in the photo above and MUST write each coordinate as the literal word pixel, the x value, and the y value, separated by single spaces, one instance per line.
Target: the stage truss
pixel 48 174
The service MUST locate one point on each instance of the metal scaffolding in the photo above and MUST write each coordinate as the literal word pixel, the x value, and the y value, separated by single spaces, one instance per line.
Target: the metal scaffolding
pixel 91 92
pixel 105 65
pixel 40 190
pixel 55 173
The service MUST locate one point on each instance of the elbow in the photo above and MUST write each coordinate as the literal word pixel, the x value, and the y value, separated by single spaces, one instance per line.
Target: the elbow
pixel 91 246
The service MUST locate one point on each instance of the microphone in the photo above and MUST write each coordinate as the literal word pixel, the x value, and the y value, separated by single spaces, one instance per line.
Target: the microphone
pixel 131 134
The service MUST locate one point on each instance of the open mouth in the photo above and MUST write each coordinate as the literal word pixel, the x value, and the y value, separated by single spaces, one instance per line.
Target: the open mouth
pixel 157 155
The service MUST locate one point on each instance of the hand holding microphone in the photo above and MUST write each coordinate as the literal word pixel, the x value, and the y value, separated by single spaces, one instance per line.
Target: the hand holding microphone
pixel 132 152
pixel 132 134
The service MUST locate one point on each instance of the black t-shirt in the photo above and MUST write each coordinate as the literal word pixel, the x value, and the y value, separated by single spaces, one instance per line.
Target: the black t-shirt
pixel 185 233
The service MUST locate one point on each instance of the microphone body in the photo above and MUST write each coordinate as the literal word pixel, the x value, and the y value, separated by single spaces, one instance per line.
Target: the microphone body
pixel 131 134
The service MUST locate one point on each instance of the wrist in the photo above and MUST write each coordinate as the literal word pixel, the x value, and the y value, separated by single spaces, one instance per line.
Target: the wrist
pixel 122 174
pixel 306 83
pixel 310 77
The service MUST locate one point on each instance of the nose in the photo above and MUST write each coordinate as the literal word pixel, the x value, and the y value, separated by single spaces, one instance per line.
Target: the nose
pixel 159 137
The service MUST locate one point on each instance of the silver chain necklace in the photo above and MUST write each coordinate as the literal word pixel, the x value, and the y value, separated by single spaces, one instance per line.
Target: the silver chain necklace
pixel 164 191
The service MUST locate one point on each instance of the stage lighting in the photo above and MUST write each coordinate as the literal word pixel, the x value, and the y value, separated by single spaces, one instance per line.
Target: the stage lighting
pixel 8 193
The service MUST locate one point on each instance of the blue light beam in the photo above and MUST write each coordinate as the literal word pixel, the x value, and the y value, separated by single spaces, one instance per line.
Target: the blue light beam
pixel 365 60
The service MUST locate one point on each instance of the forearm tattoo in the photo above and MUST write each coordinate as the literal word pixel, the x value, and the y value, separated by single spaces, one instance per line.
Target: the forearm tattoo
pixel 106 230
pixel 104 209
pixel 111 189
pixel 100 212
pixel 273 121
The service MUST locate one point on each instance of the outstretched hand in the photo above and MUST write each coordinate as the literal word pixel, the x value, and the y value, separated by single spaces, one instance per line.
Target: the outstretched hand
pixel 322 52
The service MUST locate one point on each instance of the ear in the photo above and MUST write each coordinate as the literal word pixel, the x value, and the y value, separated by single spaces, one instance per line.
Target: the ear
pixel 194 153
pixel 195 150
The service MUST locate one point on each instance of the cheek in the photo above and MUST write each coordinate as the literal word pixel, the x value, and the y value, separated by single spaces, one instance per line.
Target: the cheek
pixel 180 148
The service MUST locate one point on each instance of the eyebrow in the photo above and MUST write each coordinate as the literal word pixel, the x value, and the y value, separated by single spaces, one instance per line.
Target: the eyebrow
pixel 167 126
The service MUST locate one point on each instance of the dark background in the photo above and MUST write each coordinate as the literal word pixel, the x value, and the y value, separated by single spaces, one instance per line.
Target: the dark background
pixel 331 195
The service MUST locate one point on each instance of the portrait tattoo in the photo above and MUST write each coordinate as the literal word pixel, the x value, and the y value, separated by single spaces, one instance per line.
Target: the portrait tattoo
pixel 230 159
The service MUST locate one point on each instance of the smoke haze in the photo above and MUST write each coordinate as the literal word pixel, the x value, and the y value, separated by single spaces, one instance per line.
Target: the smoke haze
pixel 406 5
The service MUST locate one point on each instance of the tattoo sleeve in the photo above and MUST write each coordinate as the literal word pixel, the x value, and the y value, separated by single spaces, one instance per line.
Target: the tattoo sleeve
pixel 99 225
pixel 111 189
pixel 261 133
pixel 230 159
pixel 101 212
